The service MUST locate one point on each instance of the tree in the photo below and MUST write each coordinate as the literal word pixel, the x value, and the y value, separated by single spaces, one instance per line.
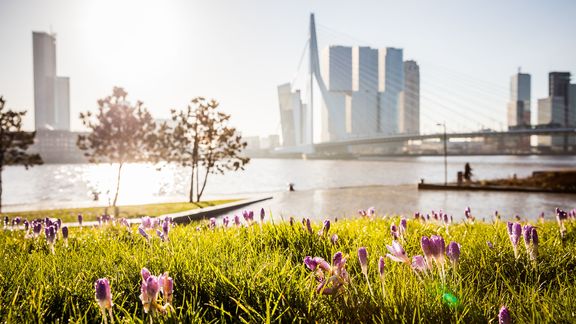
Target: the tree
pixel 201 137
pixel 120 133
pixel 14 142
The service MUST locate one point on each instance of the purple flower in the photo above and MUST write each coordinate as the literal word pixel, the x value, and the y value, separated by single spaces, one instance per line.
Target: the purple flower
pixel 143 233
pixel 6 221
pixel 291 221
pixel 453 252
pixel 65 232
pixel 262 215
pixel 309 226
pixel 372 211
pixel 325 228
pixel 80 219
pixel 419 263
pixel 514 232
pixel 490 245
pixel 166 287
pixel 99 219
pixel 331 278
pixel 37 228
pixel 381 264
pixel 363 259
pixel 337 259
pixel 225 221
pixel 26 225
pixel 310 263
pixel 165 228
pixel 149 292
pixel 145 273
pixel 362 212
pixel 427 247
pixel 103 294
pixel 50 232
pixel 146 222
pixel 438 248
pixel 212 224
pixel 504 316
pixel 531 241
pixel 334 238
pixel 397 252
pixel 394 231
pixel 403 224
pixel 236 220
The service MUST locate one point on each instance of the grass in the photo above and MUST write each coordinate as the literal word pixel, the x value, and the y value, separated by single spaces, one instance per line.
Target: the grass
pixel 256 274
pixel 130 211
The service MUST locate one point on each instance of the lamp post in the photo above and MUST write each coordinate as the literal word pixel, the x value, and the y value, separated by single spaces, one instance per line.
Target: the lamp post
pixel 443 124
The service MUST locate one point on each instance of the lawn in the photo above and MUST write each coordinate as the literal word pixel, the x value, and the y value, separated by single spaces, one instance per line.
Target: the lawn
pixel 256 274
pixel 130 211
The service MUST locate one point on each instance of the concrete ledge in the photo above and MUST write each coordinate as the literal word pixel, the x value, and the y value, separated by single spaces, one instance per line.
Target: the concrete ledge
pixel 431 186
pixel 214 211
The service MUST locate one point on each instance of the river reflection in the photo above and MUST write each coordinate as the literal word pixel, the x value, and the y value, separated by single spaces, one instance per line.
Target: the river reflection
pixel 53 186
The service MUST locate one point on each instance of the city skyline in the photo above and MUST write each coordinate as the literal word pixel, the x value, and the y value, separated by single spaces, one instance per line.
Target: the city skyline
pixel 155 65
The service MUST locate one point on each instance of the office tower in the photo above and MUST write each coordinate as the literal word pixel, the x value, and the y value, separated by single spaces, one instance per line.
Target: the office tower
pixel 409 103
pixel 558 86
pixel 337 68
pixel 519 105
pixel 293 117
pixel 390 84
pixel 51 93
pixel 362 113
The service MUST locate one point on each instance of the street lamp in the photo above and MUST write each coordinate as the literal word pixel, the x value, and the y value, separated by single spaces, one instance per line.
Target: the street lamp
pixel 443 124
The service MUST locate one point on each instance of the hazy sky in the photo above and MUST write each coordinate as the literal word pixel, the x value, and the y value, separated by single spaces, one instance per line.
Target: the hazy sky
pixel 167 52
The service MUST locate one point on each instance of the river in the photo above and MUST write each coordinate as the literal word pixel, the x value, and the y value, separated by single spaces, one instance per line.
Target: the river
pixel 325 188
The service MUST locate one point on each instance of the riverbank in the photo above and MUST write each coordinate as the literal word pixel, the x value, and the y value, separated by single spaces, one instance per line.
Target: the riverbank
pixel 131 211
pixel 256 274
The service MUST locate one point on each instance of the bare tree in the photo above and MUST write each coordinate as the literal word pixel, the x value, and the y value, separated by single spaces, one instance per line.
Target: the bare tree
pixel 199 138
pixel 14 142
pixel 120 133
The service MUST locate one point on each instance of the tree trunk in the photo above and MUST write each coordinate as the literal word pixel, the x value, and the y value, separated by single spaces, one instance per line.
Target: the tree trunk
pixel 191 197
pixel 197 184
pixel 117 185
pixel 203 184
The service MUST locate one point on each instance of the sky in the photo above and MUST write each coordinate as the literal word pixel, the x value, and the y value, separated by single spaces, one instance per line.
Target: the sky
pixel 167 52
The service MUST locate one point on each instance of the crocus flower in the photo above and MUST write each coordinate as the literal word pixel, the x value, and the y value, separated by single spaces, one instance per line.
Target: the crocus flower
pixel 99 219
pixel 166 229
pixel 394 231
pixel 397 252
pixel 453 252
pixel 419 263
pixel 80 219
pixel 225 221
pixel 104 297
pixel 403 225
pixel 438 248
pixel 145 273
pixel 26 225
pixel 363 259
pixel 514 232
pixel 309 226
pixel 334 238
pixel 291 221
pixel 325 228
pixel 426 248
pixel 146 222
pixel 381 264
pixel 490 245
pixel 531 241
pixel 37 228
pixel 262 215
pixel 50 233
pixel 335 278
pixel 65 234
pixel 166 287
pixel 149 293
pixel 504 316
pixel 212 224
pixel 236 220
pixel 6 221
pixel 372 211
pixel 143 233
pixel 362 212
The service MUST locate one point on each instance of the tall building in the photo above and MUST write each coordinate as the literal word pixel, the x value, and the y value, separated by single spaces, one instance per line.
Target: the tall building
pixel 409 102
pixel 51 93
pixel 337 68
pixel 293 116
pixel 362 114
pixel 519 105
pixel 558 110
pixel 390 84
pixel 558 86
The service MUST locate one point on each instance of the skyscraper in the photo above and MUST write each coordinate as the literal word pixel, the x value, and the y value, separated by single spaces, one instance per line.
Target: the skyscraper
pixel 293 117
pixel 557 109
pixel 51 93
pixel 409 103
pixel 362 119
pixel 390 83
pixel 519 105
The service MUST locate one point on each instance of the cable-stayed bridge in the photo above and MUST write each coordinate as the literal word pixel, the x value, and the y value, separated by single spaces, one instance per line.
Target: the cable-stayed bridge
pixel 359 100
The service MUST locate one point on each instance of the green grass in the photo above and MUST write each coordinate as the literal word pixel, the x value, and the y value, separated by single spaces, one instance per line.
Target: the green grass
pixel 130 211
pixel 256 275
